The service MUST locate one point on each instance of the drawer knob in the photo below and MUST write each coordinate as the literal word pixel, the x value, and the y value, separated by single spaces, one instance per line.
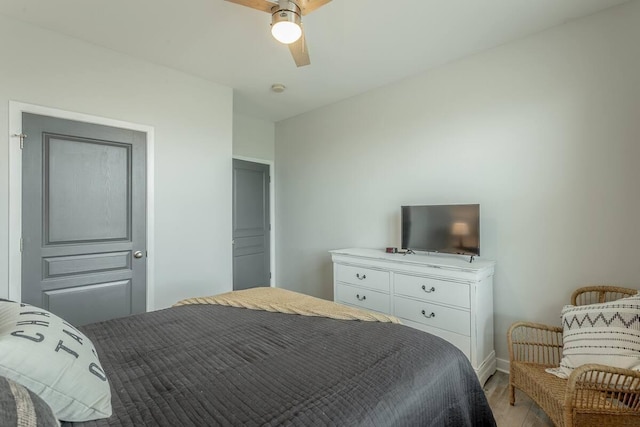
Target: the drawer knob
pixel 364 297
pixel 424 288
pixel 424 313
pixel 364 276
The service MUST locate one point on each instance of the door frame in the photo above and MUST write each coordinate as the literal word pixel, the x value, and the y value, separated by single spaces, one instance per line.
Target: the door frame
pixel 272 213
pixel 16 109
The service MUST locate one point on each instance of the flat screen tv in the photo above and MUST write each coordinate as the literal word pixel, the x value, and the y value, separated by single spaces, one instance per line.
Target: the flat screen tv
pixel 442 228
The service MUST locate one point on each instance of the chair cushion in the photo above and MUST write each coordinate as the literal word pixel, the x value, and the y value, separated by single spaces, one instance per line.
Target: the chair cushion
pixel 54 360
pixel 607 333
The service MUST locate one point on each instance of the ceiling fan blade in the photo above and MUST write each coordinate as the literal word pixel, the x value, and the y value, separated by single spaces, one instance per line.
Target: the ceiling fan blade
pixel 263 5
pixel 308 6
pixel 300 52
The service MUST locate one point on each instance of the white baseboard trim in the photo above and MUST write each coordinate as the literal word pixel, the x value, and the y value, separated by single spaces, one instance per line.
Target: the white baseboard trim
pixel 502 365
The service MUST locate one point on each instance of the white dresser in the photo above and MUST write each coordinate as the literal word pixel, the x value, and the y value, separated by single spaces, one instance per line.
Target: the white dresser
pixel 444 295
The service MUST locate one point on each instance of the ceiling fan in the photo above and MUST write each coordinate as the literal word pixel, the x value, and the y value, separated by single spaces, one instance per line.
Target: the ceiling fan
pixel 286 22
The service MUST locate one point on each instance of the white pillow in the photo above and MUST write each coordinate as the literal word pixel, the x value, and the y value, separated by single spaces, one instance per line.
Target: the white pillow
pixel 54 360
pixel 607 333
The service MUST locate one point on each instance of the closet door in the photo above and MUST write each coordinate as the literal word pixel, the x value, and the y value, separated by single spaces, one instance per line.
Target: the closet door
pixel 83 219
pixel 251 225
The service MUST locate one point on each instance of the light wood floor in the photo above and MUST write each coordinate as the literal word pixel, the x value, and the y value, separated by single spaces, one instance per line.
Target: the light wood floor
pixel 525 413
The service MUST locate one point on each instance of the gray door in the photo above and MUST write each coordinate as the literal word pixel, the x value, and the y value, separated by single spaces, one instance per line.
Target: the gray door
pixel 83 219
pixel 251 225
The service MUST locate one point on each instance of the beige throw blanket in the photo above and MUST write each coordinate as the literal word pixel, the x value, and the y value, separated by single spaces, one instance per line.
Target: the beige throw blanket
pixel 283 301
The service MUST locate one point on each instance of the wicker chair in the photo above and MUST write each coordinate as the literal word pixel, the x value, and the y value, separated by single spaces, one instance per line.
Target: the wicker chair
pixel 581 400
pixel 598 294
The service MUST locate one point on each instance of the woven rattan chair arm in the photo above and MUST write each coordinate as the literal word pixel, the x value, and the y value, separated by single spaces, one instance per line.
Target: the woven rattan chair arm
pixel 533 325
pixel 601 289
pixel 589 384
pixel 535 343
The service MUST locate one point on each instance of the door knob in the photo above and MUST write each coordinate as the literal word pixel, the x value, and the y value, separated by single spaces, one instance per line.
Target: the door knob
pixel 137 254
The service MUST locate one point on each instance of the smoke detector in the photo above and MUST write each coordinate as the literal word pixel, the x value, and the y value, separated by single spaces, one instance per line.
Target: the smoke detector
pixel 278 87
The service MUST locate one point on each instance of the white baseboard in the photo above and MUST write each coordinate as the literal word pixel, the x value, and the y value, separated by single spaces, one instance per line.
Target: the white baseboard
pixel 502 365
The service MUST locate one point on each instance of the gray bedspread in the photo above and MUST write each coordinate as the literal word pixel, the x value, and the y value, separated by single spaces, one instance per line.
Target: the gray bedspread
pixel 210 365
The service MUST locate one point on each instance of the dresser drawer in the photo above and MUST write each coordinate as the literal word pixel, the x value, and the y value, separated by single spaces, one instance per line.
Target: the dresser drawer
pixel 374 279
pixel 364 298
pixel 434 315
pixel 433 290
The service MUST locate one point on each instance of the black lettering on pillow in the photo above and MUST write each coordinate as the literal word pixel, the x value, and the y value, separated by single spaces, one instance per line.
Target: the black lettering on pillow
pixel 33 322
pixel 20 334
pixel 96 370
pixel 74 336
pixel 67 349
pixel 37 313
pixel 71 326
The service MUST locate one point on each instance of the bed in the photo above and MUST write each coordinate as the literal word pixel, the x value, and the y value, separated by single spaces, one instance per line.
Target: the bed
pixel 207 364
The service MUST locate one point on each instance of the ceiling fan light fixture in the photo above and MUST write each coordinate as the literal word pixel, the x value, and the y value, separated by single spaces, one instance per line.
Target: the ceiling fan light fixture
pixel 286 23
pixel 285 26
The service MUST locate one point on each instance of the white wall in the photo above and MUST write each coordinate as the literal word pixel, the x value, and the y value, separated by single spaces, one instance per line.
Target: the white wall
pixel 544 133
pixel 193 145
pixel 253 138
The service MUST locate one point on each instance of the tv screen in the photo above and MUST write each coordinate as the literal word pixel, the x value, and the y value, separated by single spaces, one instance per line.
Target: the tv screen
pixel 442 228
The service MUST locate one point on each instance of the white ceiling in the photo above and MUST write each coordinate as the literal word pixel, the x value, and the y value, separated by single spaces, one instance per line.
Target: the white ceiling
pixel 355 45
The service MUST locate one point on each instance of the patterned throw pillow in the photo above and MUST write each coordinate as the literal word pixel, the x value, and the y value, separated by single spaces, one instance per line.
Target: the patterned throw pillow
pixel 20 407
pixel 54 360
pixel 607 334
